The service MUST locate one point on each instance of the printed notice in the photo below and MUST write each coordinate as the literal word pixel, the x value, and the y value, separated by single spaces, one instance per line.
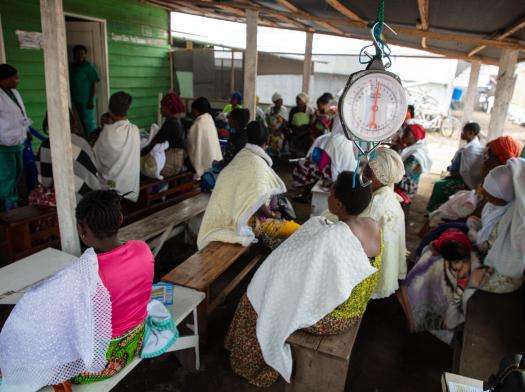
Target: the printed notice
pixel 456 383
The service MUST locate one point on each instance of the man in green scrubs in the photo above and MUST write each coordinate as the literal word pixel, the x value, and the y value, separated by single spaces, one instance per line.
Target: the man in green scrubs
pixel 83 78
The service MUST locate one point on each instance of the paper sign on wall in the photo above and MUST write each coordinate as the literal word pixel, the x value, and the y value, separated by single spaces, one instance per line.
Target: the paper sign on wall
pixel 29 39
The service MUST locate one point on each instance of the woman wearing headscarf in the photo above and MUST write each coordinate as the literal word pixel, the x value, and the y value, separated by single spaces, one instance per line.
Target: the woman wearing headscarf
pixel 299 122
pixel 329 155
pixel 276 118
pixel 500 237
pixel 320 280
pixel 499 151
pixel 14 127
pixel 464 171
pixel 235 103
pixel 322 117
pixel 435 293
pixel 171 136
pixel 416 159
pixel 203 141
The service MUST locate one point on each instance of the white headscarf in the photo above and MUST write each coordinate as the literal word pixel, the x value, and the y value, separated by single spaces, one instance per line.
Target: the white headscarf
pixel 304 97
pixel 276 96
pixel 387 166
pixel 507 254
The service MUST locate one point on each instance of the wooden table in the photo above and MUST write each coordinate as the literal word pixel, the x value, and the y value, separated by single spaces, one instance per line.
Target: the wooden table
pixel 24 273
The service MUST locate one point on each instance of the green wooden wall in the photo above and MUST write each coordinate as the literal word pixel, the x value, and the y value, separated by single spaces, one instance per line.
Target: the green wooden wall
pixel 141 69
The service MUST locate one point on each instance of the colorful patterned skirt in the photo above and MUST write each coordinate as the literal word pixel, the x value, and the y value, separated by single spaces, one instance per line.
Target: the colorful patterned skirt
pixel 246 358
pixel 121 352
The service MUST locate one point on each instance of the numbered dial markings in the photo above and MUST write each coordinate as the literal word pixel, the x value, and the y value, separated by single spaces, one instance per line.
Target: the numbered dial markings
pixel 374 107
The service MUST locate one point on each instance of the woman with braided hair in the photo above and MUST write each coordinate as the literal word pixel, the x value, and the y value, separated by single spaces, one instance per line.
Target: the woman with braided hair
pixel 126 270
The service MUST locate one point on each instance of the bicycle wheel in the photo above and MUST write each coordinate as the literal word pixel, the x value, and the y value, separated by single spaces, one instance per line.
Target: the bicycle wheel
pixel 449 126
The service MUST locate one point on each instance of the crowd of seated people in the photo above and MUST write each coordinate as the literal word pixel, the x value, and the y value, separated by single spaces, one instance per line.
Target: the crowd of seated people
pixel 321 274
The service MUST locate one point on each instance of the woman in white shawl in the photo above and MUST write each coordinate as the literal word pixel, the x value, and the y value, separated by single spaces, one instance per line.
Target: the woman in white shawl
pixel 384 170
pixel 238 209
pixel 117 150
pixel 465 168
pixel 416 158
pixel 203 140
pixel 329 155
pixel 502 232
pixel 321 278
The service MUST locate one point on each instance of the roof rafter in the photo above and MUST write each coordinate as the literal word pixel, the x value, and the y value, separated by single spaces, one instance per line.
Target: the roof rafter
pixel 338 6
pixel 507 33
pixel 292 8
pixel 422 5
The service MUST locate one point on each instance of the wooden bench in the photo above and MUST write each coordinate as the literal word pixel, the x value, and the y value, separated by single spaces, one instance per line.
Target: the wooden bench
pixel 157 194
pixel 27 230
pixel 160 226
pixel 493 329
pixel 202 270
pixel 320 363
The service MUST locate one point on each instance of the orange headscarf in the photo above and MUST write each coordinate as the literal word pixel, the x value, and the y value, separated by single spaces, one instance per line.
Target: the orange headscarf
pixel 505 147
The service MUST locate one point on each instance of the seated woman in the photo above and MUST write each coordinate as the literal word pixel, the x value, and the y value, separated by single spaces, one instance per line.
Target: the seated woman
pixel 117 150
pixel 321 279
pixel 416 159
pixel 276 118
pixel 203 141
pixel 322 118
pixel 499 151
pixel 299 123
pixel 86 173
pixel 237 211
pixel 235 103
pixel 436 290
pixel 384 170
pixel 500 235
pixel 87 320
pixel 465 169
pixel 330 155
pixel 171 135
pixel 237 120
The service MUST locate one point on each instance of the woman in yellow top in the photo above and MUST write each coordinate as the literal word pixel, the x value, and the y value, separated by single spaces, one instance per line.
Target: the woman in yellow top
pixel 320 278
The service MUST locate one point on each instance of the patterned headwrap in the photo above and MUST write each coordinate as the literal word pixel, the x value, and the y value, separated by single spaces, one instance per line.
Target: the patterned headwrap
pixel 387 166
pixel 504 148
pixel 455 236
pixel 417 130
pixel 238 96
pixel 304 97
pixel 173 103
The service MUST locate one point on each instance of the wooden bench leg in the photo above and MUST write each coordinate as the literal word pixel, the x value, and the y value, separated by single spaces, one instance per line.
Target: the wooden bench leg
pixel 202 315
pixel 315 371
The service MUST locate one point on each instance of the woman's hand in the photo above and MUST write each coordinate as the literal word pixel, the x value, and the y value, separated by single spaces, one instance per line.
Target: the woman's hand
pixel 480 276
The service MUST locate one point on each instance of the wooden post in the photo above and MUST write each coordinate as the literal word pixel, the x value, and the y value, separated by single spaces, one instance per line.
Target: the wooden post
pixel 57 95
pixel 250 62
pixel 307 65
pixel 504 90
pixel 471 93
pixel 2 45
pixel 232 73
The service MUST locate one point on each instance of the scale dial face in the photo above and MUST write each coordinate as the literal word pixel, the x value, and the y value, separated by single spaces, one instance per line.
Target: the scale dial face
pixel 374 107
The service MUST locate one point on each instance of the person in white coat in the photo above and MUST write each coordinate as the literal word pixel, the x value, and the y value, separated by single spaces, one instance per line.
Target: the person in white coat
pixel 14 126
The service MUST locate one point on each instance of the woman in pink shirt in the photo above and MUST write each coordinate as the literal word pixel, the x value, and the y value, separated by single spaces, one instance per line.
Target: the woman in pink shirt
pixel 126 270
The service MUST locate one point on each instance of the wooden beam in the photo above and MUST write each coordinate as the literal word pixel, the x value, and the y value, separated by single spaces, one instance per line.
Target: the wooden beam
pixel 422 5
pixel 401 29
pixel 307 64
pixel 324 24
pixel 2 45
pixel 507 33
pixel 344 10
pixel 57 97
pixel 504 91
pixel 471 93
pixel 250 62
